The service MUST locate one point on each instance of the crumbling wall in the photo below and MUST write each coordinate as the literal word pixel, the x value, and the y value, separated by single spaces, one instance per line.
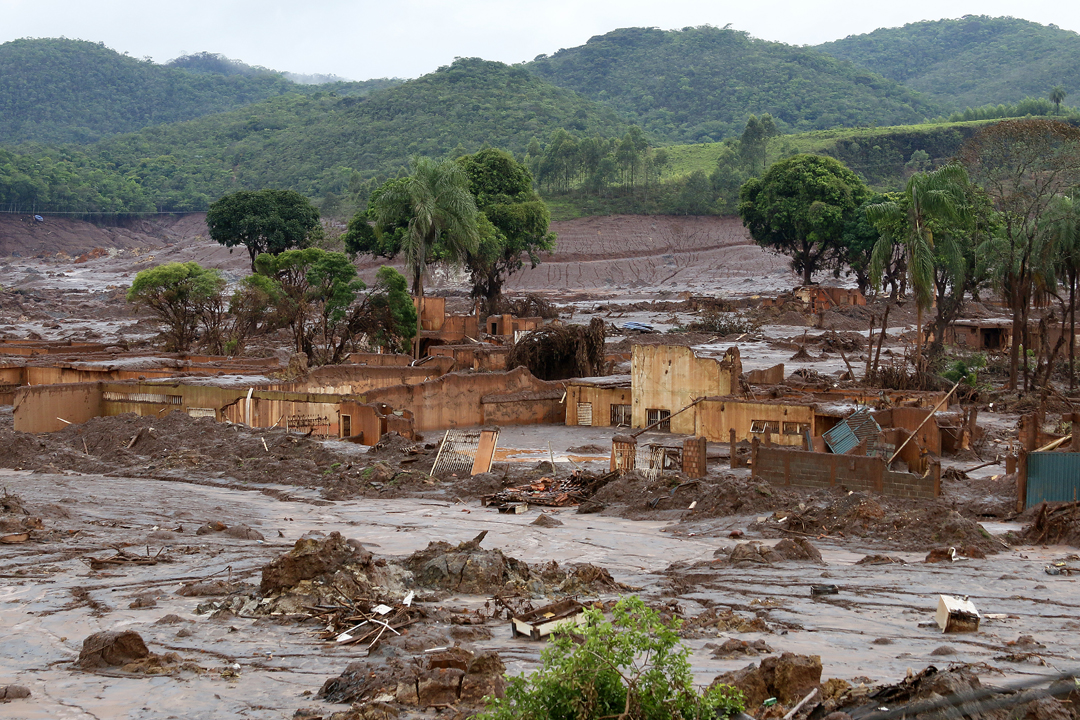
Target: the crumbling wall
pixel 717 416
pixel 456 399
pixel 769 376
pixel 670 377
pixel 803 468
pixel 909 418
pixel 358 379
pixel 483 357
pixel 524 408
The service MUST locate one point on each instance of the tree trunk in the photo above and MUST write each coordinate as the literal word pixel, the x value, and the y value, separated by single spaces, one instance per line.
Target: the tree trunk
pixel 1014 348
pixel 1072 330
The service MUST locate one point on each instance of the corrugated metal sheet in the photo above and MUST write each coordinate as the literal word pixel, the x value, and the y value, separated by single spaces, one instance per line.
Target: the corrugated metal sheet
pixel 848 433
pixel 1053 477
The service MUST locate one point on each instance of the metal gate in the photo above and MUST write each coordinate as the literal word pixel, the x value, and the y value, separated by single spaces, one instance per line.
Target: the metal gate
pixel 1052 477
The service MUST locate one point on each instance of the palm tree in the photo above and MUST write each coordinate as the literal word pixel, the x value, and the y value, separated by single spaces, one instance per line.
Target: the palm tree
pixel 1057 96
pixel 441 219
pixel 930 196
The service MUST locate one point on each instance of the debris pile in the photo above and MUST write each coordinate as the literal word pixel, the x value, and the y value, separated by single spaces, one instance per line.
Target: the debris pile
pixel 1055 525
pixel 16 523
pixel 447 677
pixel 715 621
pixel 903 524
pixel 572 490
pixel 755 553
pixel 467 568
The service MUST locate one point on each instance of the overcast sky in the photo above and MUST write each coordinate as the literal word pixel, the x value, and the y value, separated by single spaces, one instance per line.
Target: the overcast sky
pixel 362 39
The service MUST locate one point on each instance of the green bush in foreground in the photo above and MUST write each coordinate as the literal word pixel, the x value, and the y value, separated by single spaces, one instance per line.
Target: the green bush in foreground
pixel 632 667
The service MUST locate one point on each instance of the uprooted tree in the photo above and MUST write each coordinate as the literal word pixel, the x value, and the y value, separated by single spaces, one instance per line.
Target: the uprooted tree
pixel 559 351
pixel 631 667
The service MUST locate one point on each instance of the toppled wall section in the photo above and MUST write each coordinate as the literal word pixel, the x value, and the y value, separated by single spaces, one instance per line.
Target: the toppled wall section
pixel 667 378
pixel 803 468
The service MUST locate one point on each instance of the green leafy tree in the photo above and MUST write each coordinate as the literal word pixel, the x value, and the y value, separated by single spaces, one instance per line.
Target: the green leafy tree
pixel 318 289
pixel 264 221
pixel 441 217
pixel 516 221
pixel 799 207
pixel 632 667
pixel 387 316
pixel 928 197
pixel 178 295
pixel 1022 165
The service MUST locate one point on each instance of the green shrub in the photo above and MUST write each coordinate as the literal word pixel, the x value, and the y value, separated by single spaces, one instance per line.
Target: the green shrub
pixel 631 667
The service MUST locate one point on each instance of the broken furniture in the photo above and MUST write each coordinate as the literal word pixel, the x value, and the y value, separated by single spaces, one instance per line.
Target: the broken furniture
pixel 957 615
pixel 540 622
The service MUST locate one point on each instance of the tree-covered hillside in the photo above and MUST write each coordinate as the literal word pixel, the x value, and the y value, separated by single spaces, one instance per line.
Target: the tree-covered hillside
pixel 76 91
pixel 701 84
pixel 323 145
pixel 970 62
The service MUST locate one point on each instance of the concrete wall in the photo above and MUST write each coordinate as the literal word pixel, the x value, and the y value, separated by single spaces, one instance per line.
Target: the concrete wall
pixel 803 468
pixel 716 417
pixel 670 377
pixel 39 409
pixel 601 399
pixel 457 399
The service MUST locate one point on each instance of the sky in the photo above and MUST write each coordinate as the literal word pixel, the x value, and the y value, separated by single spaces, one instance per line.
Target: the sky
pixel 363 39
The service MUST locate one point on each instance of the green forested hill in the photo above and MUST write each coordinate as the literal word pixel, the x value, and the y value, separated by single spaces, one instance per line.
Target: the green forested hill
pixel 970 62
pixel 76 91
pixel 323 144
pixel 701 84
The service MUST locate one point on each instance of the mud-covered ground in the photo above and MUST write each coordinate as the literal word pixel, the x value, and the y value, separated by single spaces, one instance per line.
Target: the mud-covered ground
pixel 123 513
pixel 876 627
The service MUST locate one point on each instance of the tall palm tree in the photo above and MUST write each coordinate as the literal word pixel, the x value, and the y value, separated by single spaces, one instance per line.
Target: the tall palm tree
pixel 1057 96
pixel 441 219
pixel 936 195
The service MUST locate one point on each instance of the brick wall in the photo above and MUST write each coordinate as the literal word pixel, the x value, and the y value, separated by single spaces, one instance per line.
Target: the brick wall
pixel 802 468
